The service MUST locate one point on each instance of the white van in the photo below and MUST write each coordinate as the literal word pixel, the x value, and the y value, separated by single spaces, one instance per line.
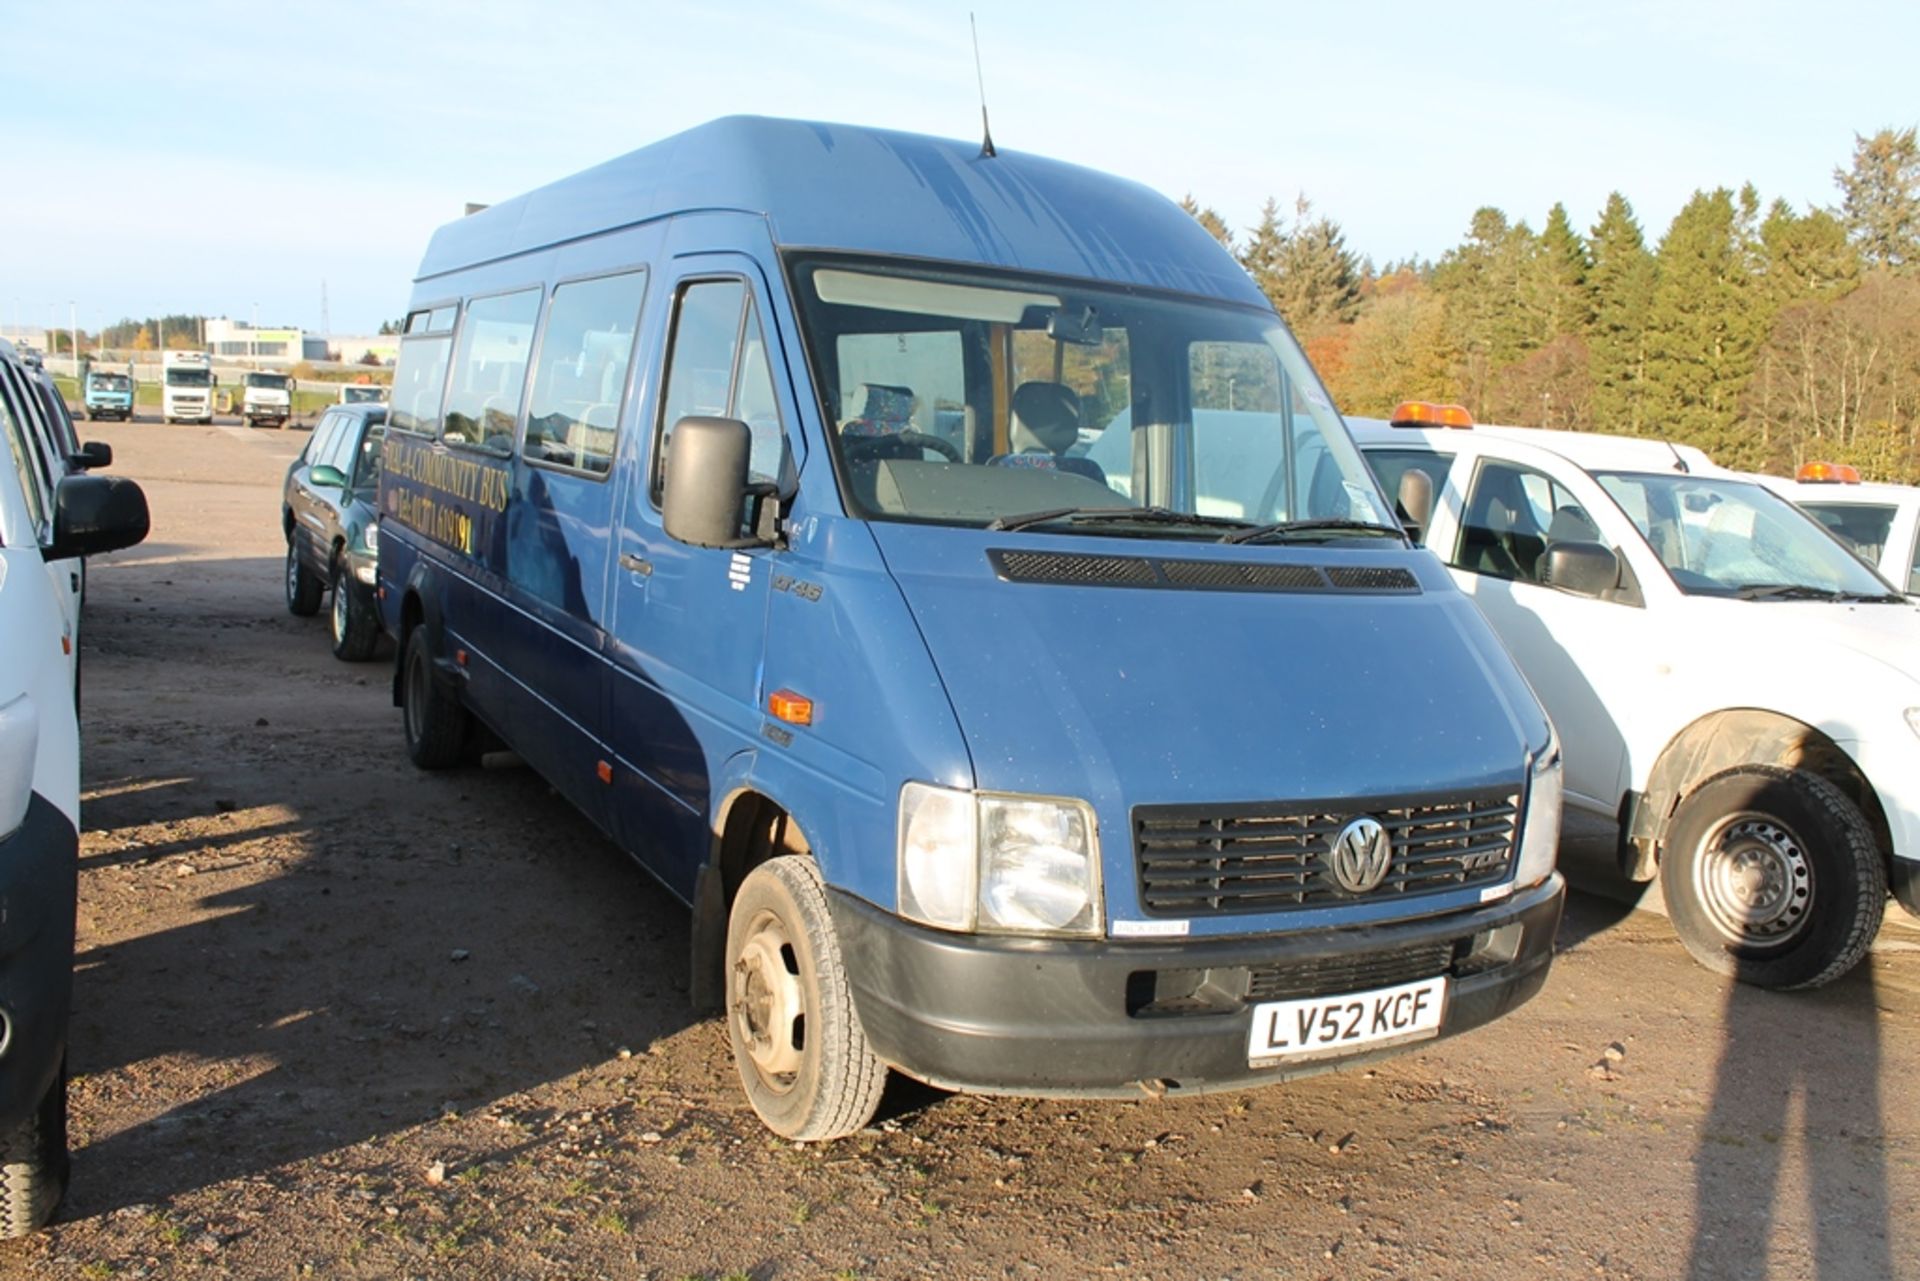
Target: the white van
pixel 42 521
pixel 1730 685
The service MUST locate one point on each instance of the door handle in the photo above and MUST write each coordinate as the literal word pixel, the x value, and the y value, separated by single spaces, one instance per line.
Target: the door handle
pixel 635 565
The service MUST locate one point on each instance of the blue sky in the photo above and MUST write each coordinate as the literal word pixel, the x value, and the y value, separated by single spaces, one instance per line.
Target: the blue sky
pixel 218 158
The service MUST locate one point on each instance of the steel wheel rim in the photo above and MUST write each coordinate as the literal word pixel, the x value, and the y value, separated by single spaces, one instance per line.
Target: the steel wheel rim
pixel 293 572
pixel 1753 878
pixel 339 612
pixel 767 1004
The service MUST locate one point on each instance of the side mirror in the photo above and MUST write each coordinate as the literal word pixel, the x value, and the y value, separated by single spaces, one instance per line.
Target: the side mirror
pixel 1585 569
pixel 94 453
pixel 1416 500
pixel 97 514
pixel 706 483
pixel 326 474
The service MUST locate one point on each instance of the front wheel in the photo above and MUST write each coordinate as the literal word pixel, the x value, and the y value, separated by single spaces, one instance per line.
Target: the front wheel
pixel 436 724
pixel 797 1041
pixel 356 630
pixel 303 585
pixel 33 1163
pixel 1773 876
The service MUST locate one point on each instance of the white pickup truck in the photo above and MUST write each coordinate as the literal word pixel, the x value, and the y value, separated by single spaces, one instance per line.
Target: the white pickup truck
pixel 1881 523
pixel 1730 686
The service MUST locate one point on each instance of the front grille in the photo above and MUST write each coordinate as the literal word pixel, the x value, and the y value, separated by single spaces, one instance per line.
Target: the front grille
pixel 1334 975
pixel 1085 570
pixel 1216 860
pixel 1069 567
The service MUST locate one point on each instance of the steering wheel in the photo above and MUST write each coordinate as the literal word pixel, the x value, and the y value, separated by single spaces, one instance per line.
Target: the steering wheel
pixel 863 448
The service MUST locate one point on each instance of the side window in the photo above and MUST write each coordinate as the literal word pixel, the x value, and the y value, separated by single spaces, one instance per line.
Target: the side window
pixel 340 448
pixel 27 412
pixel 1913 574
pixel 719 368
pixel 322 440
pixel 490 370
pixel 1513 514
pixel 420 372
pixel 31 480
pixel 1390 465
pixel 584 356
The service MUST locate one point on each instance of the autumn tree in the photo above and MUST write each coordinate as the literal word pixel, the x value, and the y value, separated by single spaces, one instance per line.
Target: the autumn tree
pixel 1399 349
pixel 1880 198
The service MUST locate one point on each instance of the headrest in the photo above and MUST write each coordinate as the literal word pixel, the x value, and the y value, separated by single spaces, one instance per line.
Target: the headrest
pixel 1571 525
pixel 887 404
pixel 1050 413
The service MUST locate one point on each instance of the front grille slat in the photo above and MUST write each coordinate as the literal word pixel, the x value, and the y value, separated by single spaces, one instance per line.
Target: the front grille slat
pixel 1225 859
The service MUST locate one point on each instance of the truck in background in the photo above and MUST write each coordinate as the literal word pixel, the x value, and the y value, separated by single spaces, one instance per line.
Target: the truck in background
pixel 186 391
pixel 266 398
pixel 108 392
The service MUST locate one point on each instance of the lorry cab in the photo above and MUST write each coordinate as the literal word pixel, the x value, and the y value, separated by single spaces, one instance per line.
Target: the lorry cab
pixel 1733 689
pixel 745 486
pixel 108 394
pixel 186 387
pixel 266 398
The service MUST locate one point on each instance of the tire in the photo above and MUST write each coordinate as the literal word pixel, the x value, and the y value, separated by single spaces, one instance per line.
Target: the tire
pixel 437 727
pixel 33 1164
pixel 303 585
pixel 1773 876
pixel 786 983
pixel 356 631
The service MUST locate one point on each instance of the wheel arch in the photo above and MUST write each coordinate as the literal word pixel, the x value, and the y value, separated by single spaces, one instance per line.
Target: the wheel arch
pixel 750 827
pixel 1721 740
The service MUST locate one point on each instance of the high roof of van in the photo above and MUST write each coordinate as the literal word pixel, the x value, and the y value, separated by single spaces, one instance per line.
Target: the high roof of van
pixel 842 187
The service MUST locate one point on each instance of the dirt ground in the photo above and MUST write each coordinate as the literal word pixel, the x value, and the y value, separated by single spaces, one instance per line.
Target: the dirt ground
pixel 339 1018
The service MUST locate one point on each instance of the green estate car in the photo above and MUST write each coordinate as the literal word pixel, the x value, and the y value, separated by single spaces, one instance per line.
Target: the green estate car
pixel 332 527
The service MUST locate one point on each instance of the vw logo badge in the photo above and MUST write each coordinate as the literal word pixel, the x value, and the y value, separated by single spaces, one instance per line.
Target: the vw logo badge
pixel 1360 856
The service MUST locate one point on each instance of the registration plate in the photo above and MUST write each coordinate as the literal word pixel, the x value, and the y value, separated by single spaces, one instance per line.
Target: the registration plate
pixel 1323 1026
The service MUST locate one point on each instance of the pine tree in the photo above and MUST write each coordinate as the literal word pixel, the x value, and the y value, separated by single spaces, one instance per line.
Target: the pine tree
pixel 1318 282
pixel 1215 225
pixel 1880 198
pixel 1484 285
pixel 1705 323
pixel 1620 289
pixel 1560 302
pixel 1805 256
pixel 1266 244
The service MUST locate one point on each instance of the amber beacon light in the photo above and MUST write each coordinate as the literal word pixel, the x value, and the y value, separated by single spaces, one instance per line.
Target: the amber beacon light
pixel 1424 413
pixel 1829 474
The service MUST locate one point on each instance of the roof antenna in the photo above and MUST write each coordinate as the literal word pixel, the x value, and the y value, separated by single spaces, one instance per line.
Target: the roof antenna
pixel 1679 463
pixel 986 130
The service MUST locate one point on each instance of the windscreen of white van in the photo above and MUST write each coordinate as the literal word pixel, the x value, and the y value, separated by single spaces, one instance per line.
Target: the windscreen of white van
pixel 965 398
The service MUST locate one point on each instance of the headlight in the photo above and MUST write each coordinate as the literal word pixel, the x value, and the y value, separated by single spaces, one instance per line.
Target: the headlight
pixel 994 862
pixel 1540 839
pixel 372 536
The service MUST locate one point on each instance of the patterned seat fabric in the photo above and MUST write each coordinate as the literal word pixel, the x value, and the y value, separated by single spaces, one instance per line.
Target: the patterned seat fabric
pixel 1046 425
pixel 888 412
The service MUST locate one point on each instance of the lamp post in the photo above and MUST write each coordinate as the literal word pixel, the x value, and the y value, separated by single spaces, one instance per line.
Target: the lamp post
pixel 73 336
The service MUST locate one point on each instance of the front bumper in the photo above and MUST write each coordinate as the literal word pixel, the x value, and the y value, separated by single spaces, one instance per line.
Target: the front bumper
pixel 39 884
pixel 1904 880
pixel 1000 1015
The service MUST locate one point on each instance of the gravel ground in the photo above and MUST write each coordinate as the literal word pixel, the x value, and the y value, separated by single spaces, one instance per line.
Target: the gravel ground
pixel 335 1017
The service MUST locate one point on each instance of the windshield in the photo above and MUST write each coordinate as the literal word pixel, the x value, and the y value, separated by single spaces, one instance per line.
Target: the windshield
pixel 273 382
pixel 366 468
pixel 189 378
pixel 966 398
pixel 1863 527
pixel 108 382
pixel 1720 537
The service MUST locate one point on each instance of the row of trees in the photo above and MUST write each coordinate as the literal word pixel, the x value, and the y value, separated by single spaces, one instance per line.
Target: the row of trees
pixel 1765 335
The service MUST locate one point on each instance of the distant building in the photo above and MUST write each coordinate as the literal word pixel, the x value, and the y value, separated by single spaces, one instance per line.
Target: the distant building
pixel 353 350
pixel 237 340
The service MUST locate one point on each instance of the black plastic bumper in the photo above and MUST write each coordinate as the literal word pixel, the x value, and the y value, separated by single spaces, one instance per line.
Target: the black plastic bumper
pixel 1039 1017
pixel 39 884
pixel 1903 878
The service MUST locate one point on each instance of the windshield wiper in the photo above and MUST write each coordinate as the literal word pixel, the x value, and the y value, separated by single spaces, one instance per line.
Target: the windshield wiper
pixel 1284 528
pixel 1801 591
pixel 1113 515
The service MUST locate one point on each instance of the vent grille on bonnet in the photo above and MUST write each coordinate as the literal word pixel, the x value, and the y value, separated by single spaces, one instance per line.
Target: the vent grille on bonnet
pixel 1194 575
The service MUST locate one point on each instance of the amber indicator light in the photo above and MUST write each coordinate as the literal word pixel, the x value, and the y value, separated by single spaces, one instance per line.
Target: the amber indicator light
pixel 794 709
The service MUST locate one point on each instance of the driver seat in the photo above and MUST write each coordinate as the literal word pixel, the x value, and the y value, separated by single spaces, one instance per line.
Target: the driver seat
pixel 1046 424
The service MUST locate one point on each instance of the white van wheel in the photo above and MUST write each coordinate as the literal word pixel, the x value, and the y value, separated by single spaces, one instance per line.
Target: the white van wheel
pixel 33 1163
pixel 797 1041
pixel 1773 876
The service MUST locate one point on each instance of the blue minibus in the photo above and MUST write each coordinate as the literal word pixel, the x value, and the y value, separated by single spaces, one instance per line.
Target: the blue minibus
pixel 942 570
